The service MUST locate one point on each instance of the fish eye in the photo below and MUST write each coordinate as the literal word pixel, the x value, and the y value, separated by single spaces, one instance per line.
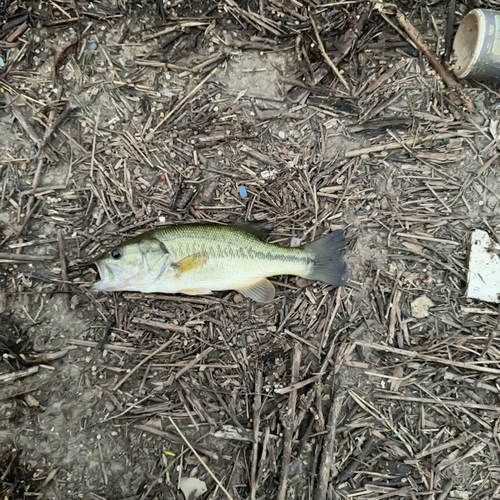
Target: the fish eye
pixel 117 253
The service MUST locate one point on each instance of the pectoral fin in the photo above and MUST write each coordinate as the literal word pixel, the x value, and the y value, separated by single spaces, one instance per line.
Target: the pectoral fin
pixel 262 291
pixel 191 262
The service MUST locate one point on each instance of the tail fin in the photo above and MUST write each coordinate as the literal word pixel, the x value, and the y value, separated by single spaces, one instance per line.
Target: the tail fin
pixel 329 265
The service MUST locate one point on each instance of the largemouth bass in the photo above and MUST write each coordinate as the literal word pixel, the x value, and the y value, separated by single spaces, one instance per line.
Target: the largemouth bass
pixel 197 259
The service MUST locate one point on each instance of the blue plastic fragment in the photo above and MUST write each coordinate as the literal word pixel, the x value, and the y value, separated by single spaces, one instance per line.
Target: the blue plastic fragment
pixel 92 46
pixel 243 191
pixel 2 63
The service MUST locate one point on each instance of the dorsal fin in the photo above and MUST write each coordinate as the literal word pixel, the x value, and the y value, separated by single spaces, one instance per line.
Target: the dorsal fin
pixel 259 229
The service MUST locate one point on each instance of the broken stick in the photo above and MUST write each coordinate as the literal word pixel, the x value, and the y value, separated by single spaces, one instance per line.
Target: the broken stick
pixel 326 56
pixel 289 424
pixel 417 39
pixel 327 457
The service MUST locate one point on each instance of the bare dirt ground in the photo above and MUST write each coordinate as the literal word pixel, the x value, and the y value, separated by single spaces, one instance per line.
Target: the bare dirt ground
pixel 118 116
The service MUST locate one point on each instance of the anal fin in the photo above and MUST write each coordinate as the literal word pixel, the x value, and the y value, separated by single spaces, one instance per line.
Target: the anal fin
pixel 261 291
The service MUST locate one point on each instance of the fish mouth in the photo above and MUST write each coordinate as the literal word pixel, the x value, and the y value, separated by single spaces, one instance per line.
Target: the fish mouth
pixel 107 282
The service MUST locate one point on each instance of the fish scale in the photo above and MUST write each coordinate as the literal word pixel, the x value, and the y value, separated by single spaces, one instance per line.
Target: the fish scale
pixel 231 262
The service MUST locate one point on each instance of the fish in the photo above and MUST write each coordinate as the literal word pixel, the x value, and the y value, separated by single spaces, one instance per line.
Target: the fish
pixel 199 259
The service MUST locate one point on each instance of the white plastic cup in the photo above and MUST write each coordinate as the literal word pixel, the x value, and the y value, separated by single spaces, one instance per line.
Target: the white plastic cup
pixel 477 46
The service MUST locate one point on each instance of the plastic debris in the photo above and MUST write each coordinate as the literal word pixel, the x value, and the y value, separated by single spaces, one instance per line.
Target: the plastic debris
pixel 192 487
pixel 483 278
pixel 162 219
pixel 420 307
pixel 92 46
pixel 2 62
pixel 243 191
pixel 494 129
pixel 281 134
pixel 474 48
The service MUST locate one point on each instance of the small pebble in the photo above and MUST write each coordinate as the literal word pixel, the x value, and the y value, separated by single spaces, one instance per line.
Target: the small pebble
pixel 243 191
pixel 420 307
pixel 31 400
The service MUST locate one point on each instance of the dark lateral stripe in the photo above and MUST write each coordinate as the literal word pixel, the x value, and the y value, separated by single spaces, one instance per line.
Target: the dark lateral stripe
pixel 275 256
